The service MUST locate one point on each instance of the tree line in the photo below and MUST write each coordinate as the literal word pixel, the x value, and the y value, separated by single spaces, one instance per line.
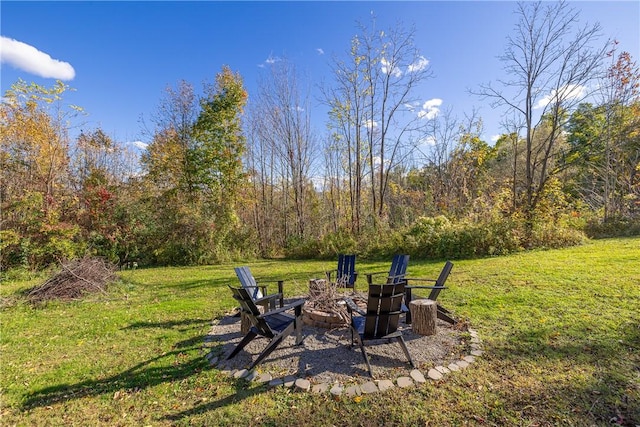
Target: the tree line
pixel 226 176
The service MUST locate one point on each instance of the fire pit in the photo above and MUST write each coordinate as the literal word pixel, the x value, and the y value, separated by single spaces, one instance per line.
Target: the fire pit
pixel 325 307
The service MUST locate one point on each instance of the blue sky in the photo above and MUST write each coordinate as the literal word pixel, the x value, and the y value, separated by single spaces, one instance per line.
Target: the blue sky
pixel 120 56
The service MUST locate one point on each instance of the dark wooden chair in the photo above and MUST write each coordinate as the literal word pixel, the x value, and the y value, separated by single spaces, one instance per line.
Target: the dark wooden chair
pixel 397 271
pixel 438 286
pixel 346 273
pixel 259 292
pixel 380 320
pixel 275 324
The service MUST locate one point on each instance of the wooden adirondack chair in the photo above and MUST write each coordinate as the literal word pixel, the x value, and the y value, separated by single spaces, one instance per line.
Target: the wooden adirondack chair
pixel 275 325
pixel 380 321
pixel 442 312
pixel 346 273
pixel 259 292
pixel 397 271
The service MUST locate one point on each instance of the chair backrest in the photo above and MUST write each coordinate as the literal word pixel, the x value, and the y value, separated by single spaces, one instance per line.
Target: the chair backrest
pixel 444 274
pixel 346 275
pixel 383 310
pixel 250 310
pixel 398 269
pixel 249 282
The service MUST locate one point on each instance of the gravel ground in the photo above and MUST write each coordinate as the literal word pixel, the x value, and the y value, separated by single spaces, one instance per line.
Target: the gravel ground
pixel 326 355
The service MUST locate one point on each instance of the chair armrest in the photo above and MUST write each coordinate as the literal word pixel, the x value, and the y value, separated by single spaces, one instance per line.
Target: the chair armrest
pixel 352 306
pixel 267 298
pixel 370 275
pixel 376 272
pixel 295 304
pixel 420 279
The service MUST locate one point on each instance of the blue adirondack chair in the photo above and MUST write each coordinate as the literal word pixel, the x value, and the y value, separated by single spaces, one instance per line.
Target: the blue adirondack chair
pixel 274 325
pixel 396 273
pixel 259 292
pixel 346 273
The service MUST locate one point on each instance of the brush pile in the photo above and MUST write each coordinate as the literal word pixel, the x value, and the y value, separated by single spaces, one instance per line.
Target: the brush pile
pixel 74 280
pixel 326 297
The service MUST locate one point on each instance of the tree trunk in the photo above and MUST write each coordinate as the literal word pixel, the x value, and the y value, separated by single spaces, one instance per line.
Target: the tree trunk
pixel 424 313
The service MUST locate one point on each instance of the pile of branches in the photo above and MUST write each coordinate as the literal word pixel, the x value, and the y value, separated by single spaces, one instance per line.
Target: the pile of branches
pixel 74 280
pixel 325 296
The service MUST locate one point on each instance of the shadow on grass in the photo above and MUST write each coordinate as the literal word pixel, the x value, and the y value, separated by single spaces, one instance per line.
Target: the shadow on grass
pixel 168 324
pixel 242 392
pixel 184 360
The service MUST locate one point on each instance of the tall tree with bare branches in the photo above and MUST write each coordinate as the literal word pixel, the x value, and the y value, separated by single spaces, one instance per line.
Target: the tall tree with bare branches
pixel 549 63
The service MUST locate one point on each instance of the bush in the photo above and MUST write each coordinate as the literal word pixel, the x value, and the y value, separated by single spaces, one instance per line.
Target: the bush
pixel 615 227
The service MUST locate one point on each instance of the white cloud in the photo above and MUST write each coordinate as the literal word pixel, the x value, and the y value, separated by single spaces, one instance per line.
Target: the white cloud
pixel 320 51
pixel 27 58
pixel 429 140
pixel 269 61
pixel 419 65
pixel 387 68
pixel 430 109
pixel 566 93
pixel 495 138
pixel 370 124
pixel 139 144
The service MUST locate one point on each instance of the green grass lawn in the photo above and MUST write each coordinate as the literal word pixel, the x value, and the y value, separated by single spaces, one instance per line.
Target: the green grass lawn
pixel 561 330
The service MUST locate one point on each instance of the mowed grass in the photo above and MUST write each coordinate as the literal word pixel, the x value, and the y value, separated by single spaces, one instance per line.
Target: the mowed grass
pixel 561 330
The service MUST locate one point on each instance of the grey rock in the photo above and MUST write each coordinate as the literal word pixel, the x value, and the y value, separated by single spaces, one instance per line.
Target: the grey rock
pixel 385 385
pixel 289 381
pixel 404 382
pixel 336 390
pixel 302 384
pixel 264 377
pixel 352 391
pixel 462 363
pixel 417 376
pixel 442 370
pixel 469 359
pixel 369 387
pixel 453 367
pixel 320 388
pixel 434 374
pixel 240 373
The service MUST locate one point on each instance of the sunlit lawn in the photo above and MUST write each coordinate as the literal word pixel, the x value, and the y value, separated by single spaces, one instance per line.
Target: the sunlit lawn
pixel 561 329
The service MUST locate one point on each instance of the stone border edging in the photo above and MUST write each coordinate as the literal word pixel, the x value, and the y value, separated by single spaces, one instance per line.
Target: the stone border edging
pixel 371 386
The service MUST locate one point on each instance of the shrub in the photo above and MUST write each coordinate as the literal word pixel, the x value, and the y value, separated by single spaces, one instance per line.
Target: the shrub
pixel 615 227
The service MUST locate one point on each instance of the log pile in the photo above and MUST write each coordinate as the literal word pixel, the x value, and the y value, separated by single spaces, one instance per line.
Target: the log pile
pixel 324 297
pixel 74 280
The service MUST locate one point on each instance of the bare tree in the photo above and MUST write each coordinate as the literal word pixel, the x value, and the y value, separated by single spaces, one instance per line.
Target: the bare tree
pixel 372 109
pixel 549 63
pixel 282 126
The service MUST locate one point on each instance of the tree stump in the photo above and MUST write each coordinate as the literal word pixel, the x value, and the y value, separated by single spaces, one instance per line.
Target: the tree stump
pixel 424 313
pixel 245 323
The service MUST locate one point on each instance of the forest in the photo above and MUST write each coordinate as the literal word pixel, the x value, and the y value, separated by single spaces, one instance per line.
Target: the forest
pixel 231 175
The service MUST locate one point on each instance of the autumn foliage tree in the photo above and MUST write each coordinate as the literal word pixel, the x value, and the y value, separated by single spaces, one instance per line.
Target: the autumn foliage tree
pixel 34 187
